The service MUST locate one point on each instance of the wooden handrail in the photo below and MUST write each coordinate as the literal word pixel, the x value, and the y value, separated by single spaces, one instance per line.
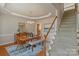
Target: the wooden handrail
pixel 50 27
pixel 45 36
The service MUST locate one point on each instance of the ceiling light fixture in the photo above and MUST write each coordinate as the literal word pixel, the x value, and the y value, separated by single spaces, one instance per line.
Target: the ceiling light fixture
pixel 30 22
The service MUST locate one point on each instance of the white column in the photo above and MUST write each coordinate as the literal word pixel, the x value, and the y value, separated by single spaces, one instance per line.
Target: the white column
pixel 77 24
pixel 77 16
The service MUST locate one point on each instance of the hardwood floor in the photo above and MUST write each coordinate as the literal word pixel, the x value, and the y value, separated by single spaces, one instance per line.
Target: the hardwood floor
pixel 41 53
pixel 3 51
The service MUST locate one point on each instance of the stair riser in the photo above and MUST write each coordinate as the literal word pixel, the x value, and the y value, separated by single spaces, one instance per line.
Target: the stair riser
pixel 68 22
pixel 68 26
pixel 72 20
pixel 67 30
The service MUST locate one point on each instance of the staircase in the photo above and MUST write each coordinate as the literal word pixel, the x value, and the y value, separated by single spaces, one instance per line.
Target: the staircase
pixel 65 43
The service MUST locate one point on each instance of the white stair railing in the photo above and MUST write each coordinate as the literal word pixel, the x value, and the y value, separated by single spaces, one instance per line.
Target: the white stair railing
pixel 47 42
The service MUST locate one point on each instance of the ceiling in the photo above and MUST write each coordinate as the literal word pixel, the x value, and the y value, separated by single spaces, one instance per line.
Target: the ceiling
pixel 28 10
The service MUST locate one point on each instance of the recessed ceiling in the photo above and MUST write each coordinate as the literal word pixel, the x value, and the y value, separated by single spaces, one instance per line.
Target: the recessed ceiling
pixel 29 9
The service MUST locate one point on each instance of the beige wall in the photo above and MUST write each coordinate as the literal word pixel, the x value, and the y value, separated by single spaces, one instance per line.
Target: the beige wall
pixel 43 22
pixel 60 11
pixel 0 25
pixel 9 26
pixel 59 8
pixel 30 28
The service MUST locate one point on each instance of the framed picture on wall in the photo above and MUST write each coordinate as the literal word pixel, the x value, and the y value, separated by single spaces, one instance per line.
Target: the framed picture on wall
pixel 46 27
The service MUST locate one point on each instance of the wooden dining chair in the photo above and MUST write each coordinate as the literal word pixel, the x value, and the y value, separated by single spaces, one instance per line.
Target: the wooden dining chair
pixel 20 40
